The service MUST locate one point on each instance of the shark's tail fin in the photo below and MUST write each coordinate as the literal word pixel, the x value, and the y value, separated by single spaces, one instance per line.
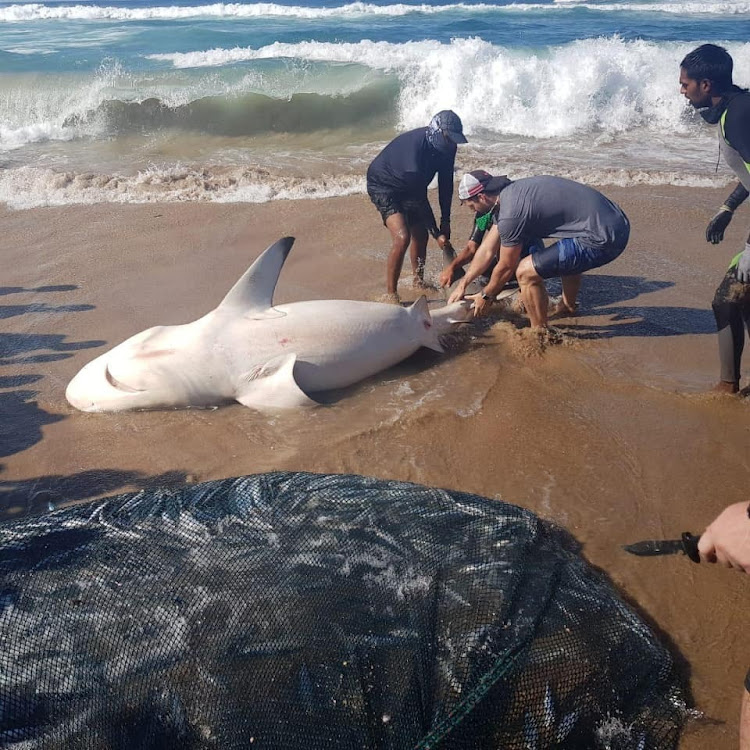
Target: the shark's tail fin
pixel 430 335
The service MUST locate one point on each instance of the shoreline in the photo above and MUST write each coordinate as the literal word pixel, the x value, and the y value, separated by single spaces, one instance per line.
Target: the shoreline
pixel 610 435
pixel 299 176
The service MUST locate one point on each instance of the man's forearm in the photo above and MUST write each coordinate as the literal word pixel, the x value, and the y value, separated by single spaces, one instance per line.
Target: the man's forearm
pixel 445 193
pixel 465 256
pixel 737 198
pixel 501 275
pixel 429 219
pixel 479 264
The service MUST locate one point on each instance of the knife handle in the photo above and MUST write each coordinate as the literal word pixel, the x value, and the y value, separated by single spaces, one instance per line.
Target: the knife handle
pixel 690 545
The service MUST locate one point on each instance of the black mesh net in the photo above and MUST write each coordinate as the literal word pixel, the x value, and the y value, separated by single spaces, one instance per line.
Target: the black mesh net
pixel 293 610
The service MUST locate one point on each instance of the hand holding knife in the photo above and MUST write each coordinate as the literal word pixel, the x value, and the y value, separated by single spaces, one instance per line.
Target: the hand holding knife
pixel 687 544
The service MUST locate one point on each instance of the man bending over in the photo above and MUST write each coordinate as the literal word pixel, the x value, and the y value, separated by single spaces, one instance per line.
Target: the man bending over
pixel 589 228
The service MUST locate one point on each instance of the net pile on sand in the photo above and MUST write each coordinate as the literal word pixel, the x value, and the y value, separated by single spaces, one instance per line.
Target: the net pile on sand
pixel 293 610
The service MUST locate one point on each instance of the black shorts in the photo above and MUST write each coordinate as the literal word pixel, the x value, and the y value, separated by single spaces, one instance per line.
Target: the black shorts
pixel 414 211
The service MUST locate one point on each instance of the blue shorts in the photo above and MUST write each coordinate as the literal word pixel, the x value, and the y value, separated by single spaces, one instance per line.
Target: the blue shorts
pixel 570 256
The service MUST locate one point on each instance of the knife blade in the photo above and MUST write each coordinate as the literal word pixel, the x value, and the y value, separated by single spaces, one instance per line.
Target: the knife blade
pixel 687 544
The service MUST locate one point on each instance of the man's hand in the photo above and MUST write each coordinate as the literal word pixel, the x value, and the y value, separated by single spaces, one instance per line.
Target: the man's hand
pixel 458 293
pixel 717 225
pixel 743 266
pixel 481 305
pixel 446 276
pixel 727 539
pixel 445 229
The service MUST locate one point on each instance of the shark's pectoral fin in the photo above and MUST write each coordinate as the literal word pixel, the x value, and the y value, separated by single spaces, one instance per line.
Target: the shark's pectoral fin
pixel 430 333
pixel 272 386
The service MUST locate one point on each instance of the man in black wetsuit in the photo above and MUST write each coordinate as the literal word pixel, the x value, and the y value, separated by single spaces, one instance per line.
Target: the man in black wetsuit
pixel 706 82
pixel 397 181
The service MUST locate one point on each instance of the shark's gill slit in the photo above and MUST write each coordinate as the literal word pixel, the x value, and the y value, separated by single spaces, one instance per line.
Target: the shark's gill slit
pixel 117 384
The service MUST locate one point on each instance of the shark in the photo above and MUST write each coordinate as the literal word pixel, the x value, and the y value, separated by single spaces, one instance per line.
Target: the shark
pixel 265 356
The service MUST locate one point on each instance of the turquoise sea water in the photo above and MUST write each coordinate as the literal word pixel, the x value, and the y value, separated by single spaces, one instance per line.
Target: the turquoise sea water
pixel 135 101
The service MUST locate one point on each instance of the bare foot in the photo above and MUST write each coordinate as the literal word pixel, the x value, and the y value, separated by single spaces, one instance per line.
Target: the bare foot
pixel 558 309
pixel 533 342
pixel 726 386
pixel 390 298
pixel 418 283
pixel 548 335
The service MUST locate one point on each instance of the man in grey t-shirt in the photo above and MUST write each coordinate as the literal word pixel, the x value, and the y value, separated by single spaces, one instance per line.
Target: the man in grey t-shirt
pixel 590 230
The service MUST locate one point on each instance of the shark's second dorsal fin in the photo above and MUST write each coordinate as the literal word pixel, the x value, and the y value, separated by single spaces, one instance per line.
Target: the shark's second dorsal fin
pixel 254 291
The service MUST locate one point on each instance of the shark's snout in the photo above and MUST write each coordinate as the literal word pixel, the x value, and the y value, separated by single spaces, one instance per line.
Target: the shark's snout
pixel 95 389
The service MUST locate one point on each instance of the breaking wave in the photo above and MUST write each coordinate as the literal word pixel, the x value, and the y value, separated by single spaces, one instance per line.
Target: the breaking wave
pixel 593 86
pixel 588 85
pixel 41 12
pixel 105 106
pixel 246 115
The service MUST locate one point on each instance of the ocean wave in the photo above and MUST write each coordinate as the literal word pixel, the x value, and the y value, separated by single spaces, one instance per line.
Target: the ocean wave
pixel 606 84
pixel 30 187
pixel 40 12
pixel 114 102
pixel 246 115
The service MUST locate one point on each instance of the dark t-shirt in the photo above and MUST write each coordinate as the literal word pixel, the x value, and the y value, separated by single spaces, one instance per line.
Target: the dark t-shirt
pixel 550 206
pixel 407 165
pixel 477 235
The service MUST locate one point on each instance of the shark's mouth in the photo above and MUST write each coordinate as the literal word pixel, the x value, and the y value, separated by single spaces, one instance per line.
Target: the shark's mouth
pixel 115 383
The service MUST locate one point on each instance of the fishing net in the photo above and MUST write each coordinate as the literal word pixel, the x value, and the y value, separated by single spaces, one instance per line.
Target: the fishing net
pixel 293 610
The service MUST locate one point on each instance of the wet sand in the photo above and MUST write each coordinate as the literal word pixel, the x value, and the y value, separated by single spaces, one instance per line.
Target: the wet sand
pixel 609 433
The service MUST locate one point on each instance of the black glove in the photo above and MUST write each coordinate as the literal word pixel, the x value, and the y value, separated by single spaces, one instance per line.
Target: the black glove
pixel 717 225
pixel 445 228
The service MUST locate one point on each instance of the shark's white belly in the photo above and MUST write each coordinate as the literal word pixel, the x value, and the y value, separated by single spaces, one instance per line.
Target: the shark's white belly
pixel 336 343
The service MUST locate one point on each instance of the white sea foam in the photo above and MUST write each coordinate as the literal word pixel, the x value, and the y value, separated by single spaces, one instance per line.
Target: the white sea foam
pixel 40 12
pixel 606 84
pixel 30 187
pixel 597 87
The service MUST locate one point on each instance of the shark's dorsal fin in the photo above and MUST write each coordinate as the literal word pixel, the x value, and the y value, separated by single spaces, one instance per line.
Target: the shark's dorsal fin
pixel 253 293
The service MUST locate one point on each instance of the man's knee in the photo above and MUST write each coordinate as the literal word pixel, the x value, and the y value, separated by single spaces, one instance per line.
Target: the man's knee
pixel 526 273
pixel 400 236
